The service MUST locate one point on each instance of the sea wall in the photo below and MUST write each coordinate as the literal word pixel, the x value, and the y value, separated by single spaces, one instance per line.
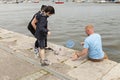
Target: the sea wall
pixel 21 47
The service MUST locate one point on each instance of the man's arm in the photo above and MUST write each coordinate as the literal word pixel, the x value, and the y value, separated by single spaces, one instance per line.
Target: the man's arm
pixel 76 55
pixel 83 52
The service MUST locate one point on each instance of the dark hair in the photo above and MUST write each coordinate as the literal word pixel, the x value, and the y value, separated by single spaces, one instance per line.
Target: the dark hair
pixel 43 7
pixel 49 9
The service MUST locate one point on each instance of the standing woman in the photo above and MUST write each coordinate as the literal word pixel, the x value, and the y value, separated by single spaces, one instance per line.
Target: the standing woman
pixel 40 23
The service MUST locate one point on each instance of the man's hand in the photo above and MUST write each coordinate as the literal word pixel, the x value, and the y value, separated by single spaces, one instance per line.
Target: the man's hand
pixel 75 55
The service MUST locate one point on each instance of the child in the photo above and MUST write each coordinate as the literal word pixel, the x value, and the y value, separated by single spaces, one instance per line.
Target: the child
pixel 32 29
pixel 40 23
pixel 30 26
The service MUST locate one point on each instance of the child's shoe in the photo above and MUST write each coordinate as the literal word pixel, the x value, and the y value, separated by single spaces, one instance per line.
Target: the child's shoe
pixel 44 62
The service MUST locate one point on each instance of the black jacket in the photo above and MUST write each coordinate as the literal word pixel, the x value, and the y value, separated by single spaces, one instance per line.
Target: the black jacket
pixel 41 29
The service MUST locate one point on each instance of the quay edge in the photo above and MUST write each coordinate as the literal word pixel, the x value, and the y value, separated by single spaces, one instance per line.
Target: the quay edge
pixel 13 45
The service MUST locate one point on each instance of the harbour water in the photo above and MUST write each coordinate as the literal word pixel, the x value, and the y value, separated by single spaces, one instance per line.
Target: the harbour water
pixel 68 22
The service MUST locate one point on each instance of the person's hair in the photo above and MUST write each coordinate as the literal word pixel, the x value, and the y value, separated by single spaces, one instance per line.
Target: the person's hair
pixel 49 9
pixel 43 7
pixel 90 26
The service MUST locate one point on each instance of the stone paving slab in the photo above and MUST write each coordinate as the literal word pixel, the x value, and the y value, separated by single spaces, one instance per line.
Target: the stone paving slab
pixel 113 74
pixel 75 64
pixel 12 68
pixel 34 76
pixel 92 70
pixel 48 77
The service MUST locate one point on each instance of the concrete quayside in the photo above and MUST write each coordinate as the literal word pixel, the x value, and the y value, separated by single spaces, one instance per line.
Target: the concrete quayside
pixel 18 62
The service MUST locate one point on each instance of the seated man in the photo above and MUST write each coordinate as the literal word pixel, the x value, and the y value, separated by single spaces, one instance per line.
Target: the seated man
pixel 92 46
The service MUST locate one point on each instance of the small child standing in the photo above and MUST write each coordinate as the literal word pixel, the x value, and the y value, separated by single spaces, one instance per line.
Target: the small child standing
pixel 32 29
pixel 40 23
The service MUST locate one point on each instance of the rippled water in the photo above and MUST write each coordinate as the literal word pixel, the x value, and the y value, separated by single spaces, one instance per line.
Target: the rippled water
pixel 69 22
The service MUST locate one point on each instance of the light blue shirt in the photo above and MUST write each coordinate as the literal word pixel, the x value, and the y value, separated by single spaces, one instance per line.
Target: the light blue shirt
pixel 94 45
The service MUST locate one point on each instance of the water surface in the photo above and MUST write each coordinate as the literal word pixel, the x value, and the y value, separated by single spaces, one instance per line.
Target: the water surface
pixel 69 22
